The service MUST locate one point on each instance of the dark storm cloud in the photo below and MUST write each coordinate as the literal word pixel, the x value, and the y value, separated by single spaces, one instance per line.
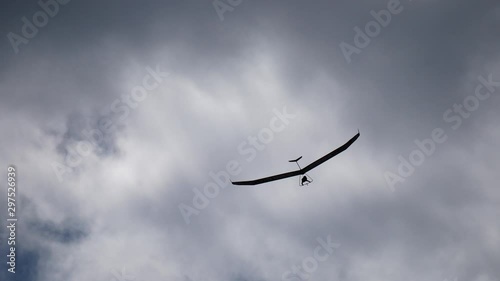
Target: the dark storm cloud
pixel 81 129
pixel 67 232
pixel 438 224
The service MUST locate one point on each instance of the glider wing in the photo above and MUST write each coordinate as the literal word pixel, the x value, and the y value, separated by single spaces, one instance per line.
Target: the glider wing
pixel 301 171
pixel 268 179
pixel 330 155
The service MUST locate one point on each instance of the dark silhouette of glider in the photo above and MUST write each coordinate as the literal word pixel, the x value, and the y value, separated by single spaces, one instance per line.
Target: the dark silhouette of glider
pixel 301 171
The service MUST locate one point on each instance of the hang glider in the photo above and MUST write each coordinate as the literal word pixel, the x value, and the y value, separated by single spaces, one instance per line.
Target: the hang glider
pixel 301 171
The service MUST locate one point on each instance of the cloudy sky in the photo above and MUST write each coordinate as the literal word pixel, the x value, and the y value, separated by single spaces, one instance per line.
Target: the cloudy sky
pixel 124 121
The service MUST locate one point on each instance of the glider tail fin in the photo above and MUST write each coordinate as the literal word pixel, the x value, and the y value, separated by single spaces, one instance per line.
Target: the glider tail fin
pixel 296 160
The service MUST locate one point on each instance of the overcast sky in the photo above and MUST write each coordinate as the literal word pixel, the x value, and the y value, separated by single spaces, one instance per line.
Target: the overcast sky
pixel 125 120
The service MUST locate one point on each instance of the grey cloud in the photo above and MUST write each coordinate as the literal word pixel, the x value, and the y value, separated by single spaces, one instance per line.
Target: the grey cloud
pixel 226 77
